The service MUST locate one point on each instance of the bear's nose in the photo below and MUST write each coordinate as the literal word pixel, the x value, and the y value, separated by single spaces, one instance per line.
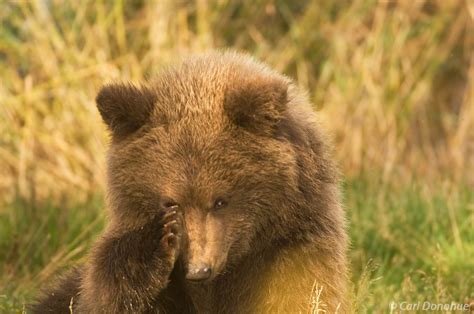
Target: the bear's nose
pixel 198 273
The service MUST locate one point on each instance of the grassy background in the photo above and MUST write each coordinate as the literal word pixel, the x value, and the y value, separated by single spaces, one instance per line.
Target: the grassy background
pixel 393 82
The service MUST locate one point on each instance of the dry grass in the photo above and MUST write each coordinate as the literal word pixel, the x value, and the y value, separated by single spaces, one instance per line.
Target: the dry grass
pixel 393 81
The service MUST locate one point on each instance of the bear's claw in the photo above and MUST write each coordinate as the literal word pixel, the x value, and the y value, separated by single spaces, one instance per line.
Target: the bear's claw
pixel 170 240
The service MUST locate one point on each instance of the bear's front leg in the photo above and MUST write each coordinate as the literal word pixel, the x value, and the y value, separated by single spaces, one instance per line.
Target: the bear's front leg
pixel 128 270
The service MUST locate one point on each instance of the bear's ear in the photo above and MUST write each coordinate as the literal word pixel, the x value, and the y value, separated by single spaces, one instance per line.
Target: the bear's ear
pixel 257 104
pixel 125 107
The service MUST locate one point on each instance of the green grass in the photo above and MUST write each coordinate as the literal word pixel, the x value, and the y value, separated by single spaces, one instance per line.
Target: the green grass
pixel 409 243
pixel 39 241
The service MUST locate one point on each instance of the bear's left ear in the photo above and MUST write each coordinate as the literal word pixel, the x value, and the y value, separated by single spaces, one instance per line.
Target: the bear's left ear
pixel 257 104
pixel 125 107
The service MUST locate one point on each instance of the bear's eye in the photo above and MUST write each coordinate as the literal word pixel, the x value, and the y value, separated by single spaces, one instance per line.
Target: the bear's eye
pixel 219 204
pixel 170 205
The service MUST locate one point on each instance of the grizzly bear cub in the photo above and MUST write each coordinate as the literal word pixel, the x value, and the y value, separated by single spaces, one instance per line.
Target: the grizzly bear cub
pixel 223 198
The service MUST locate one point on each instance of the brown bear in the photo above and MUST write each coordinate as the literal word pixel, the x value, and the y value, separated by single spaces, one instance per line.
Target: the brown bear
pixel 223 198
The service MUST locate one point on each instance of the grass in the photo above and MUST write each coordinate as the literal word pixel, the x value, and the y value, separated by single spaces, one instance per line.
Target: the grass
pixel 411 244
pixel 37 242
pixel 393 82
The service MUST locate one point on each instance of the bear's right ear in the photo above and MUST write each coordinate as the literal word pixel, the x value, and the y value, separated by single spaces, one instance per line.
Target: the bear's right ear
pixel 125 107
pixel 257 104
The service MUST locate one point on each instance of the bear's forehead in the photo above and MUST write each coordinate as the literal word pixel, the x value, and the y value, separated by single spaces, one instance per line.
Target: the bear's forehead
pixel 198 150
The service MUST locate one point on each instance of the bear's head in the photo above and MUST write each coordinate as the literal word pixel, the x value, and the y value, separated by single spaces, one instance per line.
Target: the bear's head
pixel 204 137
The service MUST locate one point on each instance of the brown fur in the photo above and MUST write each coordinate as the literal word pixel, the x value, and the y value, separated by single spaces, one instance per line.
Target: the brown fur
pixel 218 162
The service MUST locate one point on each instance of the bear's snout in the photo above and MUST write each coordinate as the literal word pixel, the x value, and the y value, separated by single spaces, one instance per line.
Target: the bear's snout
pixel 198 272
pixel 207 245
